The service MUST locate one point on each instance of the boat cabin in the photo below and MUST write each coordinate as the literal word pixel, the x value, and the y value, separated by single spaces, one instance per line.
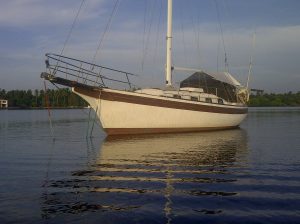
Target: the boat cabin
pixel 215 88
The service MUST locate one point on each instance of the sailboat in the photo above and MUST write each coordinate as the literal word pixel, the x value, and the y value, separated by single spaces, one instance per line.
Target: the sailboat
pixel 203 101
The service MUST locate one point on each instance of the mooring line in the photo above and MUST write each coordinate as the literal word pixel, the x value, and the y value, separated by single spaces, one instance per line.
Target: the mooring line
pixel 48 108
pixel 95 117
pixel 88 125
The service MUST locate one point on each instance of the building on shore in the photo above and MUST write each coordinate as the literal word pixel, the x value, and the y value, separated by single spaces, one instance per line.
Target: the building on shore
pixel 3 104
pixel 257 92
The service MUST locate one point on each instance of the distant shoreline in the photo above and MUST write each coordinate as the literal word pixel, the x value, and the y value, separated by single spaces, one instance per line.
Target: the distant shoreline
pixel 65 99
pixel 43 108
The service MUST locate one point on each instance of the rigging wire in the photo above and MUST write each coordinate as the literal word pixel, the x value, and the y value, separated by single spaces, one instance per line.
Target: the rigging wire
pixel 228 15
pixel 183 36
pixel 72 27
pixel 197 36
pixel 69 34
pixel 106 30
pixel 218 52
pixel 222 36
pixel 100 42
pixel 227 93
pixel 229 96
pixel 148 34
pixel 157 31
pixel 144 36
pixel 251 59
pixel 107 27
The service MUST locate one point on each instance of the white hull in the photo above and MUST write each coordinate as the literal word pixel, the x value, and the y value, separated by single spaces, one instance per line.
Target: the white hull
pixel 132 118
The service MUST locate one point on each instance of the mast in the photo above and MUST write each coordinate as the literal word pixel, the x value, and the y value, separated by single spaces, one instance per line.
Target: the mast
pixel 169 46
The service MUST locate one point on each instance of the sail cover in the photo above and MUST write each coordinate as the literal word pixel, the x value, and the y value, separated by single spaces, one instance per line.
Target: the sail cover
pixel 224 77
pixel 199 78
pixel 221 84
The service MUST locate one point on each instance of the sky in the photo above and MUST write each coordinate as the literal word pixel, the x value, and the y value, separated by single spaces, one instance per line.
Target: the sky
pixel 135 41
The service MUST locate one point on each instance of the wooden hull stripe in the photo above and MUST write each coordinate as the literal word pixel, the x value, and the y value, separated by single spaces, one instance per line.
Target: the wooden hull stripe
pixel 111 96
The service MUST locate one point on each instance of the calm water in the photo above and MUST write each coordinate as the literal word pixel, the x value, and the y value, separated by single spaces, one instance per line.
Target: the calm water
pixel 247 175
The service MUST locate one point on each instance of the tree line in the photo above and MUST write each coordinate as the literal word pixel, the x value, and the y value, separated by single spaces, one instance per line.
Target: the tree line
pixel 66 98
pixel 275 100
pixel 38 98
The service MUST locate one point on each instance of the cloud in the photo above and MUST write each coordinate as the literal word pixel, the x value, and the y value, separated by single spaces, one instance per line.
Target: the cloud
pixel 276 66
pixel 19 13
pixel 275 55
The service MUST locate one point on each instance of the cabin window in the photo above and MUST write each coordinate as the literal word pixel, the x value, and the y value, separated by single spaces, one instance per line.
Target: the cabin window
pixel 220 101
pixel 193 98
pixel 177 96
pixel 208 100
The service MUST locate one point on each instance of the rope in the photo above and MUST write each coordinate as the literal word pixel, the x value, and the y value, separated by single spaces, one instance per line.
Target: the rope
pixel 45 184
pixel 94 120
pixel 48 108
pixel 88 124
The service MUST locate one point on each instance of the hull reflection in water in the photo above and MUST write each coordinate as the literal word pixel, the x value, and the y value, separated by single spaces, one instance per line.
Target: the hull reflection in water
pixel 152 178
